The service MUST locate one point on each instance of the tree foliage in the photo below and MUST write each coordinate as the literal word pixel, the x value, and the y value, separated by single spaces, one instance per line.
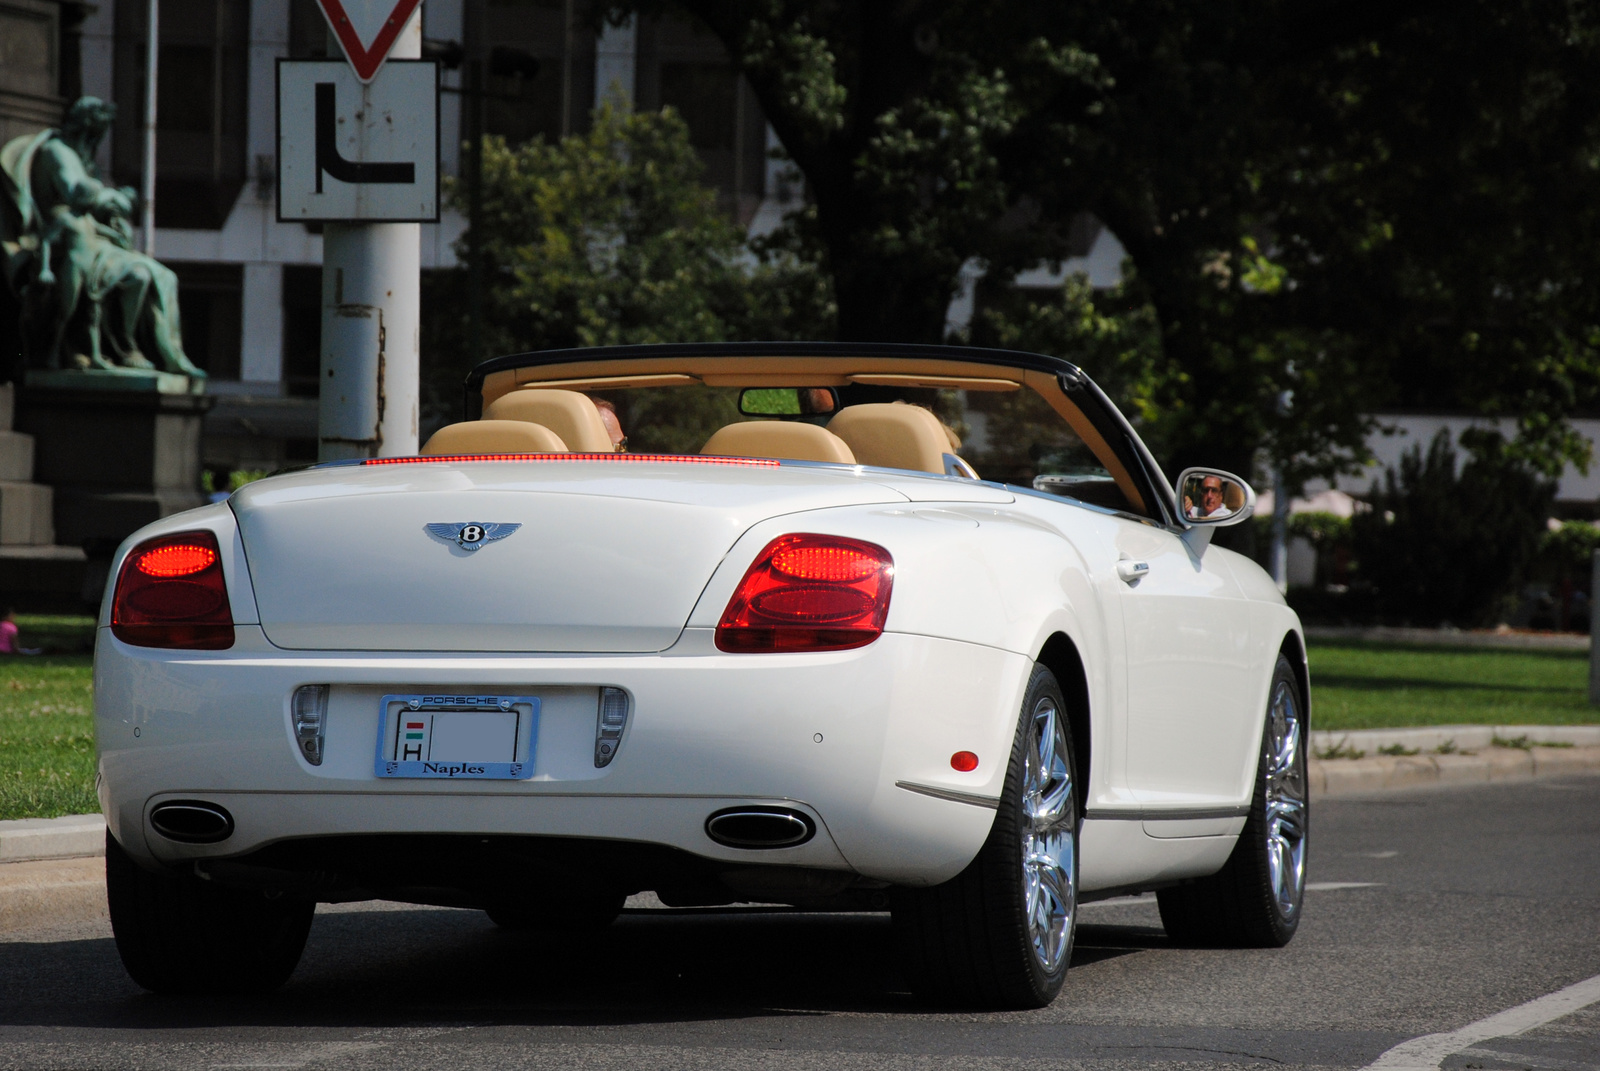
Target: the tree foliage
pixel 1340 207
pixel 1444 545
pixel 608 237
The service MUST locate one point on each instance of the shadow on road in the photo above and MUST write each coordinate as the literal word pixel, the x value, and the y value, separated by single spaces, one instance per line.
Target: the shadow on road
pixel 447 968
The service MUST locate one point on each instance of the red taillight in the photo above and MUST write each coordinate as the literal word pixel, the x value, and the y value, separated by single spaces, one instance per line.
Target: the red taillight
pixel 170 593
pixel 809 593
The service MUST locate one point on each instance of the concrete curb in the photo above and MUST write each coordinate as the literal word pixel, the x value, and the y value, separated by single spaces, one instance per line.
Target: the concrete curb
pixel 52 838
pixel 1347 777
pixel 1432 738
pixel 1439 637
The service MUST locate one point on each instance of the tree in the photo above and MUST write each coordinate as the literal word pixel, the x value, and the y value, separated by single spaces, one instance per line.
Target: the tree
pixel 1358 203
pixel 608 237
pixel 1444 545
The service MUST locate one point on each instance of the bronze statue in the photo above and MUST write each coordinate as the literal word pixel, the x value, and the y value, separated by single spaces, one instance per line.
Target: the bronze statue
pixel 86 298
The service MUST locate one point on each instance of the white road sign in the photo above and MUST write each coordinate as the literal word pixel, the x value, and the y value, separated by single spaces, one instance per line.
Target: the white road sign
pixel 349 152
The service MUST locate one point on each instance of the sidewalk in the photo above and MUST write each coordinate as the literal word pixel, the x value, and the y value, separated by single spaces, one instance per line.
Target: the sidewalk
pixel 51 871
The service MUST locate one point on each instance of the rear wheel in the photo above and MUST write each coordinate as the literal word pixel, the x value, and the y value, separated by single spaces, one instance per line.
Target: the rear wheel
pixel 1000 933
pixel 179 934
pixel 1254 901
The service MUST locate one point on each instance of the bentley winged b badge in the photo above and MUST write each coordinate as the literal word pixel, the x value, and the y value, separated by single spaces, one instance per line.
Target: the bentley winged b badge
pixel 472 534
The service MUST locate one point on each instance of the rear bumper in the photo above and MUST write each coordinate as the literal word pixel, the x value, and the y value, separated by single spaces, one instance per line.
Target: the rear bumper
pixel 830 735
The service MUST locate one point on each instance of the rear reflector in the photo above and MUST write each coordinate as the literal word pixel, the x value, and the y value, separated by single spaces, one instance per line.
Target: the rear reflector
pixel 309 709
pixel 171 593
pixel 809 593
pixel 679 459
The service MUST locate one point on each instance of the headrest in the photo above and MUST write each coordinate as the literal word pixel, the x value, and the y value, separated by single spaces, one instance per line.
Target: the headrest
pixel 495 437
pixel 566 412
pixel 893 435
pixel 779 438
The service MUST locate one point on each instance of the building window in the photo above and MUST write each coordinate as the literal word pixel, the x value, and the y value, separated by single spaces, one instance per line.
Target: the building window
pixel 522 102
pixel 29 35
pixel 201 107
pixel 683 66
pixel 210 302
pixel 308 31
pixel 302 330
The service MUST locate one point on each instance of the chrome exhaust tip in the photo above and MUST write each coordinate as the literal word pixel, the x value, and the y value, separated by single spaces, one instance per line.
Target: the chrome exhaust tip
pixel 192 821
pixel 760 827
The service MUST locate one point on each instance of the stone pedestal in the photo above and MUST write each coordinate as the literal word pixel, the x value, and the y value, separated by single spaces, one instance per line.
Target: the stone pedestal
pixel 25 506
pixel 34 574
pixel 119 448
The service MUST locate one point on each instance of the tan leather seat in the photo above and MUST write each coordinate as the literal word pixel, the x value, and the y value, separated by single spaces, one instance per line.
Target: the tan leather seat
pixel 781 439
pixel 494 437
pixel 566 412
pixel 893 435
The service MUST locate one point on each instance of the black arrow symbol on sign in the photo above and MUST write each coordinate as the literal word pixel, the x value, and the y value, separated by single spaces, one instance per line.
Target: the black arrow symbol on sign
pixel 329 160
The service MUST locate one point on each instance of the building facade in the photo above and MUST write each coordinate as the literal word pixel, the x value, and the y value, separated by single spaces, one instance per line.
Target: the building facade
pixel 250 286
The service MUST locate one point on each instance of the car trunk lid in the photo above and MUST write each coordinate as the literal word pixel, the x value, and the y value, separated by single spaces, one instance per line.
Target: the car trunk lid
pixel 601 558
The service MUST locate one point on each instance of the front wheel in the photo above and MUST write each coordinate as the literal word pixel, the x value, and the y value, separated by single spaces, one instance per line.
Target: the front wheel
pixel 999 934
pixel 1254 901
pixel 179 934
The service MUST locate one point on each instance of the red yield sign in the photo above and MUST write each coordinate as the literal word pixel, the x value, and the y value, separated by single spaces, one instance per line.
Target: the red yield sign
pixel 366 30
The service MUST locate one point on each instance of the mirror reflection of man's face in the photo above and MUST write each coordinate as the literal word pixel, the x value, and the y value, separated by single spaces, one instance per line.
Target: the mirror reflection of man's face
pixel 1210 495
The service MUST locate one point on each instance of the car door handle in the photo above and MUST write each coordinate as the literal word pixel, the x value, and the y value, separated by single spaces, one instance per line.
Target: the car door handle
pixel 1132 572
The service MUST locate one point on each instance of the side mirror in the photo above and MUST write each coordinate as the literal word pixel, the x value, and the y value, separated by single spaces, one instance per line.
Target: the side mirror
pixel 1214 497
pixel 788 401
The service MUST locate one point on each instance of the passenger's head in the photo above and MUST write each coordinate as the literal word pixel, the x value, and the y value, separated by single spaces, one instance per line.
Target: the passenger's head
pixel 608 417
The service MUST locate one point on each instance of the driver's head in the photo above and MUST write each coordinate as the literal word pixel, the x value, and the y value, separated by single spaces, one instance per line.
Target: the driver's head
pixel 1210 495
pixel 608 417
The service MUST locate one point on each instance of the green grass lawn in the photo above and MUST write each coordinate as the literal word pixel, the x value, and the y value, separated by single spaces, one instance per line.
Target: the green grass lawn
pixel 47 732
pixel 1380 686
pixel 46 720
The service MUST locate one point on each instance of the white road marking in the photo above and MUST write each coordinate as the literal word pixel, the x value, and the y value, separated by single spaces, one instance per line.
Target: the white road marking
pixel 1429 1051
pixel 1380 855
pixel 1329 886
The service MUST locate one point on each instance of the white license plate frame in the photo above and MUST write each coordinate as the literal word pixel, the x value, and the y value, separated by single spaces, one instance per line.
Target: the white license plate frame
pixel 477 736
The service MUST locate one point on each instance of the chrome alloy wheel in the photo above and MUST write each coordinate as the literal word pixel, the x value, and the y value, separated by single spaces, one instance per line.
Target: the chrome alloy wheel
pixel 1286 800
pixel 1049 821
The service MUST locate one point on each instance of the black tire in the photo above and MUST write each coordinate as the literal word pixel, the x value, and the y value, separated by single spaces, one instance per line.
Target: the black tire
pixel 578 914
pixel 971 941
pixel 179 934
pixel 1247 904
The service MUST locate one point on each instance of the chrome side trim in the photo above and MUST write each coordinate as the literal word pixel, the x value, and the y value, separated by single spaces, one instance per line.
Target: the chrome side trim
pixel 1167 815
pixel 969 798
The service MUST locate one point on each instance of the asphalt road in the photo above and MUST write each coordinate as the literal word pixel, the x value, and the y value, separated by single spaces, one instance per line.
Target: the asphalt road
pixel 1429 910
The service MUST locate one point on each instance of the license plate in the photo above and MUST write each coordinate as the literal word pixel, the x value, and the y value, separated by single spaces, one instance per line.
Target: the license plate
pixel 457 736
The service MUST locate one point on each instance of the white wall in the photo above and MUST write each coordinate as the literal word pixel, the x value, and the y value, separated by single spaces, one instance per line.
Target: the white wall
pixel 1399 433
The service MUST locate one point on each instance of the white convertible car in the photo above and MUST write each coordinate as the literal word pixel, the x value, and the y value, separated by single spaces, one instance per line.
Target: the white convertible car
pixel 847 627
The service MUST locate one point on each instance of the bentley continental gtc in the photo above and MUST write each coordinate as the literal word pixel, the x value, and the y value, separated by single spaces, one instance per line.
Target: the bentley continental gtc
pixel 916 629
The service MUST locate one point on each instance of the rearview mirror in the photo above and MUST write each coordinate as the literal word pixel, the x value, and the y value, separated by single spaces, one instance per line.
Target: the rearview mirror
pixel 1211 496
pixel 788 401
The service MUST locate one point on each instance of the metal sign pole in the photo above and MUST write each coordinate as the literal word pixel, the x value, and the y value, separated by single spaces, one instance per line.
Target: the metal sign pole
pixel 1594 631
pixel 371 294
pixel 147 193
